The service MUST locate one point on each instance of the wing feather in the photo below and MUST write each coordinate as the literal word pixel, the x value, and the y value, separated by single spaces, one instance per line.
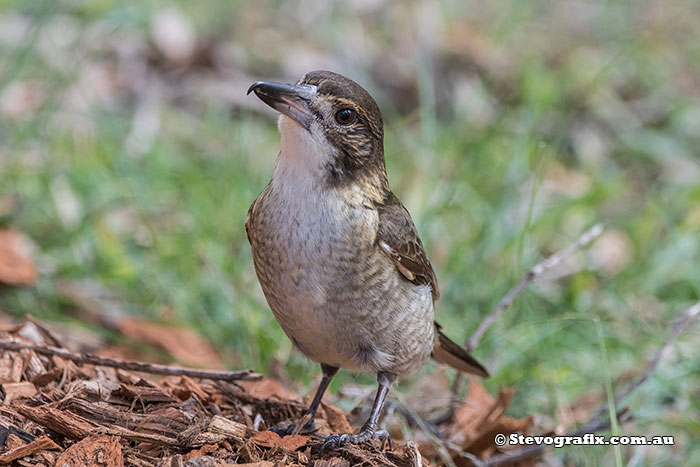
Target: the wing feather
pixel 398 238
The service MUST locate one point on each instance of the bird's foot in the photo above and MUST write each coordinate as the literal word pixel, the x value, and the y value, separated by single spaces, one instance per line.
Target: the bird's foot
pixel 288 428
pixel 366 433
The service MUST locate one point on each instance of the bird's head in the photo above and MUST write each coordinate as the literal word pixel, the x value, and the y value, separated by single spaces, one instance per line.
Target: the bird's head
pixel 332 119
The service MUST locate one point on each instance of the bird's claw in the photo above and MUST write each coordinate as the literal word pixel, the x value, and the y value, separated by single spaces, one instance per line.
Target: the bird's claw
pixel 335 441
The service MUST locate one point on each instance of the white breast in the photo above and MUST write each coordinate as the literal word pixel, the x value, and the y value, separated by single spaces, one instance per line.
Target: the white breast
pixel 312 218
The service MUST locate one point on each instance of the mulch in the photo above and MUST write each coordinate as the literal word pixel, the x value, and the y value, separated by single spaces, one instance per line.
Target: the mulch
pixel 58 412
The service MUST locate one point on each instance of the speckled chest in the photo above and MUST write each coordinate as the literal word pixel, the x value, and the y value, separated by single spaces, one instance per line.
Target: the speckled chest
pixel 307 244
pixel 335 293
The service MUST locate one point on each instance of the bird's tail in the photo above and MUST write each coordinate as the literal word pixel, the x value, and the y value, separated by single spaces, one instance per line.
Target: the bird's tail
pixel 451 354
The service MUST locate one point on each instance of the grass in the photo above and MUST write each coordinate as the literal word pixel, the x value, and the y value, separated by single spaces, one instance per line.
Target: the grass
pixel 505 157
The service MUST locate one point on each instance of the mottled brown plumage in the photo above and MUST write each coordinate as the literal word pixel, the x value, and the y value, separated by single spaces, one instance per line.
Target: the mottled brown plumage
pixel 398 237
pixel 337 255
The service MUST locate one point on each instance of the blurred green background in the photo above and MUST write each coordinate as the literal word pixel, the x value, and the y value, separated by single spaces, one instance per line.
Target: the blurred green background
pixel 131 154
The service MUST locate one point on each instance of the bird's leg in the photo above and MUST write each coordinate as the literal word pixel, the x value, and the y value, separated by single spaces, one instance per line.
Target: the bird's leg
pixel 328 373
pixel 370 428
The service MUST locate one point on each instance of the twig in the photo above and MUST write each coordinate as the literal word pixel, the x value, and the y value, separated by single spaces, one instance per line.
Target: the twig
pixel 152 368
pixel 536 271
pixel 595 424
pixel 540 268
pixel 680 325
pixel 440 445
pixel 40 444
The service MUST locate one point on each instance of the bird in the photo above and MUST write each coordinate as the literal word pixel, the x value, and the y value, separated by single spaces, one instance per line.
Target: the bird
pixel 336 253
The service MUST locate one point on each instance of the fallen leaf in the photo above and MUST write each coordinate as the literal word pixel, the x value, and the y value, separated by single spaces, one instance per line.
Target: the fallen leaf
pixel 483 445
pixel 16 266
pixel 185 345
pixel 294 442
pixel 269 439
pixel 471 414
pixel 203 451
pixel 480 418
pixel 266 439
pixel 266 388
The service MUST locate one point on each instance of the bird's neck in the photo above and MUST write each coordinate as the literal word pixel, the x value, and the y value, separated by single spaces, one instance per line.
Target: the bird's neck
pixel 303 168
pixel 301 159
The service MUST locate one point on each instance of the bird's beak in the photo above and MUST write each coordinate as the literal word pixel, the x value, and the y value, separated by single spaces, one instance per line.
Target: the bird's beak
pixel 291 100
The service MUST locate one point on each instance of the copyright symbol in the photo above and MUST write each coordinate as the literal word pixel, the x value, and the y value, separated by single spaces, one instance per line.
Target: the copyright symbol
pixel 500 439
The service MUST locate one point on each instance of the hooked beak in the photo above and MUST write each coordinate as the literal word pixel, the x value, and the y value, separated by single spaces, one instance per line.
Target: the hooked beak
pixel 291 100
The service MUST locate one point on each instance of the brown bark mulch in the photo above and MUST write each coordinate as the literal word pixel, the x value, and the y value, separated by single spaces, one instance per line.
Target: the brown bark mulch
pixel 59 412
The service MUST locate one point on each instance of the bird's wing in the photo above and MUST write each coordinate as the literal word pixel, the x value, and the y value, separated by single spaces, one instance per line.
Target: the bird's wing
pixel 251 220
pixel 398 238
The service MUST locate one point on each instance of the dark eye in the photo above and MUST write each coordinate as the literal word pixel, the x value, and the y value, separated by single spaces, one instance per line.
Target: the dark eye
pixel 345 116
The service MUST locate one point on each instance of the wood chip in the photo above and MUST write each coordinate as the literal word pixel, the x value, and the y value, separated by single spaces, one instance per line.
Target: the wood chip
pixel 40 444
pixel 116 417
pixel 63 422
pixel 217 430
pixel 183 388
pixel 134 460
pixel 139 436
pixel 97 450
pixel 144 394
pixel 18 391
pixel 332 462
pixel 11 369
pixel 45 378
pixel 412 452
pixel 337 419
pixel 14 442
pixel 11 432
pixel 167 421
pixel 33 365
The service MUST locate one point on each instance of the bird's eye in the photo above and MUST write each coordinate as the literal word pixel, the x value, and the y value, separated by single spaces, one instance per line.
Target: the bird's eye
pixel 345 116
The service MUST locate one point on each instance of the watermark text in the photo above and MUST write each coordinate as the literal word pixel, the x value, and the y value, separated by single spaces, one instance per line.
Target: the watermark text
pixel 588 439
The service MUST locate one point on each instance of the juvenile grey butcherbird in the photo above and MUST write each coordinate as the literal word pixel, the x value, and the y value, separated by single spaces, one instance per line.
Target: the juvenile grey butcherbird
pixel 336 253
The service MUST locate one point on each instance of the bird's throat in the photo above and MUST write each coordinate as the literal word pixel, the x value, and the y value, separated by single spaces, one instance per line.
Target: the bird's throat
pixel 304 162
pixel 300 165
